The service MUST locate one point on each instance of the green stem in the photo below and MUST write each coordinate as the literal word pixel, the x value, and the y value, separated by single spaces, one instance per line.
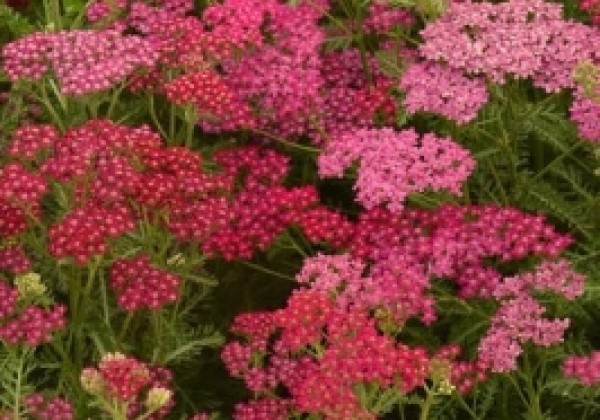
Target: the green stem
pixel 427 404
pixel 18 385
pixel 287 143
pixel 267 271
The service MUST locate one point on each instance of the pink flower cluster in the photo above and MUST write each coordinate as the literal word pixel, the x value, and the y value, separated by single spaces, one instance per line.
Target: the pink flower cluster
pixel 218 108
pixel 21 193
pixel 395 287
pixel 83 61
pixel 436 88
pixel 522 38
pixel 31 325
pixel 347 94
pixel 517 321
pixel 585 113
pixel 45 408
pixel 552 275
pixel 585 369
pixel 394 164
pixel 263 409
pixel 519 318
pixel 140 285
pixel 14 259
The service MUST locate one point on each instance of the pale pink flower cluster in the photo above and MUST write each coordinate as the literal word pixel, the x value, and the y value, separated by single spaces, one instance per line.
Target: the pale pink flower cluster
pixel 83 61
pixel 440 89
pixel 517 321
pixel 394 164
pixel 519 318
pixel 522 38
pixel 585 113
pixel 557 276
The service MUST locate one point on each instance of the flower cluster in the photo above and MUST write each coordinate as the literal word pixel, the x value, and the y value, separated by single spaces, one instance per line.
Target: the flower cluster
pixel 586 369
pixel 519 318
pixel 281 78
pixel 82 60
pixel 457 242
pixel 112 174
pixel 383 17
pixel 394 287
pixel 432 87
pixel 45 408
pixel 123 379
pixel 321 356
pixel 522 38
pixel 86 231
pixel 585 113
pixel 394 164
pixel 21 193
pixel 140 285
pixel 346 95
pixel 517 321
pixel 24 323
pixel 215 103
pixel 323 353
pixel 28 141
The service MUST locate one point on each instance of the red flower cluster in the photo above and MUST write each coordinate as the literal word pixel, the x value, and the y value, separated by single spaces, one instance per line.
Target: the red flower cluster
pixel 116 173
pixel 140 285
pixel 217 106
pixel 320 354
pixel 125 379
pixel 31 325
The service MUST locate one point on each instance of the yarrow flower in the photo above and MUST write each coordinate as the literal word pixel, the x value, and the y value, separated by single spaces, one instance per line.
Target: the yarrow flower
pixel 216 104
pixel 585 369
pixel 436 88
pixel 394 164
pixel 140 285
pixel 124 381
pixel 522 38
pixel 517 321
pixel 585 113
pixel 83 61
pixel 46 408
pixel 27 324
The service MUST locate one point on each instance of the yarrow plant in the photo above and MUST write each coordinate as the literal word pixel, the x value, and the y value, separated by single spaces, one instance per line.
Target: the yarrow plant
pixel 322 209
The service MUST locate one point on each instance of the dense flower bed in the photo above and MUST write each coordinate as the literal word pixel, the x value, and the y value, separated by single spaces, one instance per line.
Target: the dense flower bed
pixel 321 209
